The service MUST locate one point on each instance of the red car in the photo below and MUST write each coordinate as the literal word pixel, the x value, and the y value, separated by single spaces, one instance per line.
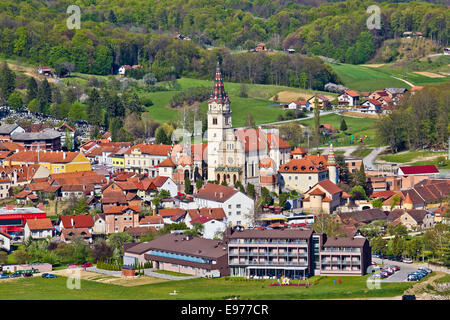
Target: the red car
pixel 71 266
pixel 86 265
pixel 396 268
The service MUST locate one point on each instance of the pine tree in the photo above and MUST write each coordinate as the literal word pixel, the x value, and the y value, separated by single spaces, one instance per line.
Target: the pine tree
pixel 32 89
pixel 44 95
pixel 343 125
pixel 7 82
pixel 316 121
pixel 187 185
pixel 251 190
pixel 94 111
pixel 112 17
pixel 199 183
pixel 362 176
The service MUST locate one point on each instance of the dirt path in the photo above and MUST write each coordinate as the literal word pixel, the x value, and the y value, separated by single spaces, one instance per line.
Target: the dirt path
pixel 29 71
pixel 419 288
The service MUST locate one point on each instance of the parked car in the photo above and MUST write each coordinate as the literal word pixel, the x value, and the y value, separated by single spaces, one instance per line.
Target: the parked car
pixel 408 297
pixel 373 263
pixel 27 274
pixel 376 276
pixel 71 266
pixel 4 276
pixel 49 275
pixel 407 260
pixel 396 268
pixel 384 274
pixel 412 277
pixel 15 275
pixel 375 255
pixel 428 271
pixel 86 265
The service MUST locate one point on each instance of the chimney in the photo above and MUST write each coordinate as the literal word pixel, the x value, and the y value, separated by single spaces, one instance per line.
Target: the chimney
pixel 41 206
pixel 64 155
pixel 9 207
pixel 221 194
pixel 71 222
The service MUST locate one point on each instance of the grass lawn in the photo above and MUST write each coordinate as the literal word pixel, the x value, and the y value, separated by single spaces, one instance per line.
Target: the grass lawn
pixel 361 152
pixel 217 289
pixel 172 273
pixel 362 78
pixel 356 127
pixel 410 156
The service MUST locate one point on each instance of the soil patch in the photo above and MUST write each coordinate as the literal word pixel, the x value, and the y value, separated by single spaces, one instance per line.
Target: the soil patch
pixel 429 74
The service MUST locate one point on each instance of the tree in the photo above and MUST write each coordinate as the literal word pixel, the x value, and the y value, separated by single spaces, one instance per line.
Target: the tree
pixel 398 246
pixel 32 89
pixel 112 17
pixel 379 245
pixel 68 140
pixel 343 125
pixel 149 79
pixel 21 256
pixel 249 121
pixel 358 193
pixel 34 106
pixel 224 183
pixel 161 136
pixel 3 257
pixel 266 199
pixel 44 95
pixel 196 230
pixel 395 200
pixel 251 190
pixel 316 121
pixel 101 251
pixel 325 223
pixel 7 82
pixel 243 91
pixel 15 101
pixel 344 174
pixel 64 69
pixel 199 183
pixel 117 240
pixel 187 186
pixel 377 203
pixel 361 177
pixel 93 107
pixel 282 199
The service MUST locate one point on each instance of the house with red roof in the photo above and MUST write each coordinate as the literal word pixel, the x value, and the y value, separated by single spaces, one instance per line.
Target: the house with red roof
pixel 118 218
pixel 38 228
pixel 371 106
pixel 348 98
pixel 238 207
pixel 324 197
pixel 71 226
pixel 428 170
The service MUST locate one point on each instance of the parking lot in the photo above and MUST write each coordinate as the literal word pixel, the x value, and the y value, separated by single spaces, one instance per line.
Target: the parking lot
pixel 398 276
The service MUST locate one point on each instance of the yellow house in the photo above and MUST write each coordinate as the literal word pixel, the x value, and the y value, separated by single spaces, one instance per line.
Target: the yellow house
pixel 54 161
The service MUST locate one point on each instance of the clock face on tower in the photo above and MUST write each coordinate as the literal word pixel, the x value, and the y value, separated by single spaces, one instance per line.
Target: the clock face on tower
pixel 230 160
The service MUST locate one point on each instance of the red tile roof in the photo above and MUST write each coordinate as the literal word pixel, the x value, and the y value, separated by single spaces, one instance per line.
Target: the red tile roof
pixel 303 165
pixel 44 156
pixel 152 220
pixel 329 186
pixel 427 169
pixel 152 149
pixel 39 224
pixel 215 192
pixel 79 221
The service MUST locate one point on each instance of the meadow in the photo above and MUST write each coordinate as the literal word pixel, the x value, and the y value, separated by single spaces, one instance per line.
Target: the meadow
pixel 356 127
pixel 206 289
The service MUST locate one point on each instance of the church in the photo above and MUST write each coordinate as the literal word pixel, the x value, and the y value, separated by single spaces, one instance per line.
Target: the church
pixel 235 154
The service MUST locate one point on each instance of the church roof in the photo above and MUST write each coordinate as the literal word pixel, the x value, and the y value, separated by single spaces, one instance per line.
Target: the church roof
pixel 219 94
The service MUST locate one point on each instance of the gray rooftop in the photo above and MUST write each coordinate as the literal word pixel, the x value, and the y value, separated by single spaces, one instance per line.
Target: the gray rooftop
pixel 7 128
pixel 43 135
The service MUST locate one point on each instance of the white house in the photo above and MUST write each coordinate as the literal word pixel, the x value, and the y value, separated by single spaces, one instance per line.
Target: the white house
pixel 348 98
pixel 212 227
pixel 99 224
pixel 372 106
pixel 5 241
pixel 38 228
pixel 299 105
pixel 238 207
pixel 152 221
pixel 123 69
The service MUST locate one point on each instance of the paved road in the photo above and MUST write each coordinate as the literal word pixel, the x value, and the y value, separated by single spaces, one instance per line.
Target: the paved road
pixel 149 272
pixel 399 276
pixel 370 158
pixel 309 116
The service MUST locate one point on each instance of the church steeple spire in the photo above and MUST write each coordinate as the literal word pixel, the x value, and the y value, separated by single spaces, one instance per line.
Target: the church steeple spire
pixel 219 94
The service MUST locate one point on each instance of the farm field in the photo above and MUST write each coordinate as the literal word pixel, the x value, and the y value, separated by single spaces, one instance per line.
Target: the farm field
pixel 206 289
pixel 258 102
pixel 357 127
pixel 411 156
pixel 378 77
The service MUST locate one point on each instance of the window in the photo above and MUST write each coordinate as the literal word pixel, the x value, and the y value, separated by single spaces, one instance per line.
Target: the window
pixel 229 206
pixel 214 120
pixel 115 218
pixel 309 177
pixel 238 223
pixel 238 212
pixel 238 206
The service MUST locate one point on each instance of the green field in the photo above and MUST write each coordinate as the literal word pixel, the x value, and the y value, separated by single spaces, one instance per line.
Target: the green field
pixel 356 127
pixel 362 78
pixel 257 103
pixel 217 289
pixel 410 156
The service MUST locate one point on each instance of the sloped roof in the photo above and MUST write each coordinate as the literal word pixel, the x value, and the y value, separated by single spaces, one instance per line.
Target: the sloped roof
pixel 303 165
pixel 211 213
pixel 215 192
pixel 151 149
pixel 152 220
pixel 345 242
pixel 427 169
pixel 79 221
pixel 44 156
pixel 39 224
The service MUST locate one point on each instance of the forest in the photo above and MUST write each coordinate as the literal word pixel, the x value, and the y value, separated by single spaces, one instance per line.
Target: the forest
pixel 421 121
pixel 118 32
